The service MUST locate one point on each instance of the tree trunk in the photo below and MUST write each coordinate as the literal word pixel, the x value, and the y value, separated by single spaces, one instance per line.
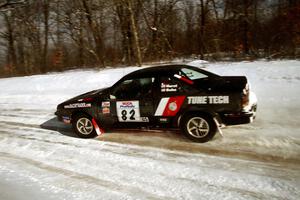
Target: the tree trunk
pixel 154 29
pixel 11 56
pixel 245 28
pixel 202 26
pixel 44 67
pixel 81 43
pixel 135 34
pixel 99 44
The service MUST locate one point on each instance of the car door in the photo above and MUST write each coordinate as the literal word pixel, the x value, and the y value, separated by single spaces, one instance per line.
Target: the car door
pixel 132 101
pixel 171 96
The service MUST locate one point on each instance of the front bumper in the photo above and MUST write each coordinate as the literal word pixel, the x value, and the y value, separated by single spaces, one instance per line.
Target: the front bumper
pixel 63 116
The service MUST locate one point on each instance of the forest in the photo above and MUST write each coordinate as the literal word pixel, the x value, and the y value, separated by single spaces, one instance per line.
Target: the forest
pixel 39 36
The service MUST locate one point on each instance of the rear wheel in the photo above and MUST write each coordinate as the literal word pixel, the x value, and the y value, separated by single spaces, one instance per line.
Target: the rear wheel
pixel 83 126
pixel 198 127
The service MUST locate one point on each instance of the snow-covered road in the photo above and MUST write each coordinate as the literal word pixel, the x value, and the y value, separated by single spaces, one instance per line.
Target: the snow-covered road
pixel 39 158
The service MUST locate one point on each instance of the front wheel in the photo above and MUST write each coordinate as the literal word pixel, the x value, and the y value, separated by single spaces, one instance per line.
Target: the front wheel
pixel 198 127
pixel 83 126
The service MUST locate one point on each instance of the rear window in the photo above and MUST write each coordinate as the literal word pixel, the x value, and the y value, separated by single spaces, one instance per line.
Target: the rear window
pixel 192 74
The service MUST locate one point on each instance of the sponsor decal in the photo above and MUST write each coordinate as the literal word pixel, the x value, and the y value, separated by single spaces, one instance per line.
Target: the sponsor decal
pixel 78 105
pixel 66 119
pixel 105 104
pixel 168 87
pixel 145 119
pixel 128 111
pixel 169 106
pixel 105 107
pixel 208 100
pixel 128 104
pixel 173 106
pixel 106 110
pixel 163 120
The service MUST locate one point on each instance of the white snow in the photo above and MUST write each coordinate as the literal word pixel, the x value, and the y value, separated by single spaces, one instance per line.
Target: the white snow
pixel 198 63
pixel 276 84
pixel 46 91
pixel 46 164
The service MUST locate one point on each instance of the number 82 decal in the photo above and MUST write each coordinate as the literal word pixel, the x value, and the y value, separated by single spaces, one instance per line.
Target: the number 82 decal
pixel 124 115
pixel 128 111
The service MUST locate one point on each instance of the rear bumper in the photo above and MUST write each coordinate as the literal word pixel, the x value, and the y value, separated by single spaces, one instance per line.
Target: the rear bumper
pixel 239 118
pixel 247 115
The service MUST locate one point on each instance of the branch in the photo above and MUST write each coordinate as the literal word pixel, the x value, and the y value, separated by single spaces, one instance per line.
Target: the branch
pixel 9 3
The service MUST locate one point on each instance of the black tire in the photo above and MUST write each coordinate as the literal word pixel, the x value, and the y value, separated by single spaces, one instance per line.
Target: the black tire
pixel 83 126
pixel 198 127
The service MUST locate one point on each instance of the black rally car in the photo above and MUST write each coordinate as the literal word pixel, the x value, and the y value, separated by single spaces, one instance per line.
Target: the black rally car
pixel 173 96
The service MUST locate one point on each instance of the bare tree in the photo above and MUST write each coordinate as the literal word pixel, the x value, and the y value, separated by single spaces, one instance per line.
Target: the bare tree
pixel 47 35
pixel 10 3
pixel 134 32
pixel 125 10
pixel 10 37
pixel 45 7
pixel 95 29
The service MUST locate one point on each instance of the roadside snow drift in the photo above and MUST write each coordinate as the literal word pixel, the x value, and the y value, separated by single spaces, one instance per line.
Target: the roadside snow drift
pixel 254 161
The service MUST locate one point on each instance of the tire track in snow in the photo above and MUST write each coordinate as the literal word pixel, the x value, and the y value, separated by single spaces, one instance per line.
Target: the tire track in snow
pixel 197 183
pixel 168 157
pixel 134 192
pixel 35 133
pixel 210 149
pixel 170 141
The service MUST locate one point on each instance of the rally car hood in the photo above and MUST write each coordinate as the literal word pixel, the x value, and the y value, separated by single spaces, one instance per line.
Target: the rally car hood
pixel 85 96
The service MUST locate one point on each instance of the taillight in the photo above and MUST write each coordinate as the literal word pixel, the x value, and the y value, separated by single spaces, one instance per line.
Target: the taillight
pixel 245 96
pixel 245 100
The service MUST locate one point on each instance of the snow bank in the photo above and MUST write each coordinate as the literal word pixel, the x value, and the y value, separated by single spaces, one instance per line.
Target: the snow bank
pixel 46 91
pixel 198 63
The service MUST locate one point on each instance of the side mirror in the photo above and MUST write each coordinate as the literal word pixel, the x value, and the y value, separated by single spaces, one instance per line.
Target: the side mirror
pixel 112 97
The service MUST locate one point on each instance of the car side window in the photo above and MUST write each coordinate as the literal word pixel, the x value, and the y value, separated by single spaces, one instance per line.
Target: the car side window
pixel 134 88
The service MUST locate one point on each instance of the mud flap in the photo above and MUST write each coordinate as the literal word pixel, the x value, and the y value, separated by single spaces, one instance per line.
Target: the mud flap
pixel 218 127
pixel 98 130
